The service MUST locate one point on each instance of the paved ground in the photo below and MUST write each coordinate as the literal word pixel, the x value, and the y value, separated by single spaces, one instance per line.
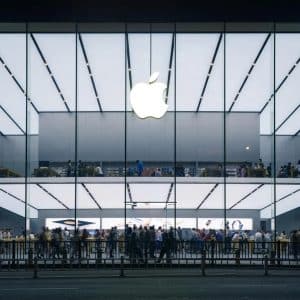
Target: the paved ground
pixel 151 284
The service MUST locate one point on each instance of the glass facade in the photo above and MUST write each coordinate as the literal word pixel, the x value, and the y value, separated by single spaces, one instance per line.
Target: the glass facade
pixel 73 152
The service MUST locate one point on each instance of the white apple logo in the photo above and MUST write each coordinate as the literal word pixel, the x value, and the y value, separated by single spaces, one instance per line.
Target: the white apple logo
pixel 148 99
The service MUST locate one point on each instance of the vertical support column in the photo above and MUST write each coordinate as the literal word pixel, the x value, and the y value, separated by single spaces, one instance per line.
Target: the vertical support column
pixel 266 271
pixel 26 139
pixel 35 268
pixel 13 252
pixel 278 252
pixel 237 256
pixel 76 123
pixel 125 135
pixel 175 133
pixel 274 133
pixel 224 131
pixel 212 245
pixel 203 259
pixel 122 267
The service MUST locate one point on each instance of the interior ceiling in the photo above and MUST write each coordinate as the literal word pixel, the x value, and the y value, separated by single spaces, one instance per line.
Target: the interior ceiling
pixel 200 77
pixel 149 196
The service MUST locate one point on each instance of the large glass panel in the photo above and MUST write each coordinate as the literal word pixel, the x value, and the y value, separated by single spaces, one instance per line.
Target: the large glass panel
pixel 13 212
pixel 101 88
pixel 200 131
pixel 100 134
pixel 199 88
pixel 150 135
pixel 287 128
pixel 12 104
pixel 249 151
pixel 220 153
pixel 51 133
pixel 12 136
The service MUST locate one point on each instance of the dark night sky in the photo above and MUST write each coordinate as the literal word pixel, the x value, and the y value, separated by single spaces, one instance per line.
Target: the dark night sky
pixel 149 10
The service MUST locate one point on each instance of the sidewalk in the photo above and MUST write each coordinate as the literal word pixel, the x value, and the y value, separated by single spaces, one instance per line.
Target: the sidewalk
pixel 144 273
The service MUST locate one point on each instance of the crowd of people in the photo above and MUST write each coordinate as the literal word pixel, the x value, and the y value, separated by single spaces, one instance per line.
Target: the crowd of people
pixel 257 169
pixel 143 242
pixel 5 234
pixel 246 169
pixel 289 170
pixel 260 170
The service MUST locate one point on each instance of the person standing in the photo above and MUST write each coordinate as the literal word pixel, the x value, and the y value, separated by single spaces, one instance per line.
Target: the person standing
pixel 298 168
pixel 152 242
pixel 139 167
pixel 165 247
pixel 80 169
pixel 69 168
pixel 133 241
pixel 99 171
pixel 112 241
pixel 158 238
pixel 66 234
pixel 147 240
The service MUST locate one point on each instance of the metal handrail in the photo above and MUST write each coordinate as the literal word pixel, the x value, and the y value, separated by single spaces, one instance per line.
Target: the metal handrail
pixel 97 251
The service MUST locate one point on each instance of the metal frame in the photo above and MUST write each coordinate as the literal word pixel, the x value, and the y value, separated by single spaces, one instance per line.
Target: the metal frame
pixel 129 75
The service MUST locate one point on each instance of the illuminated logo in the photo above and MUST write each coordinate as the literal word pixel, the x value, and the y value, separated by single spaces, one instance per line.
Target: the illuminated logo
pixel 148 99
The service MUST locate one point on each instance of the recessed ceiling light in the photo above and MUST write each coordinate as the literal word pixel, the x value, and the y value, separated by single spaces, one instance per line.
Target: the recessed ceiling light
pixel 247 147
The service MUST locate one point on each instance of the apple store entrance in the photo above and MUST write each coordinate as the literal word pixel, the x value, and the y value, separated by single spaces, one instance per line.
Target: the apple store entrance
pixel 165 125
